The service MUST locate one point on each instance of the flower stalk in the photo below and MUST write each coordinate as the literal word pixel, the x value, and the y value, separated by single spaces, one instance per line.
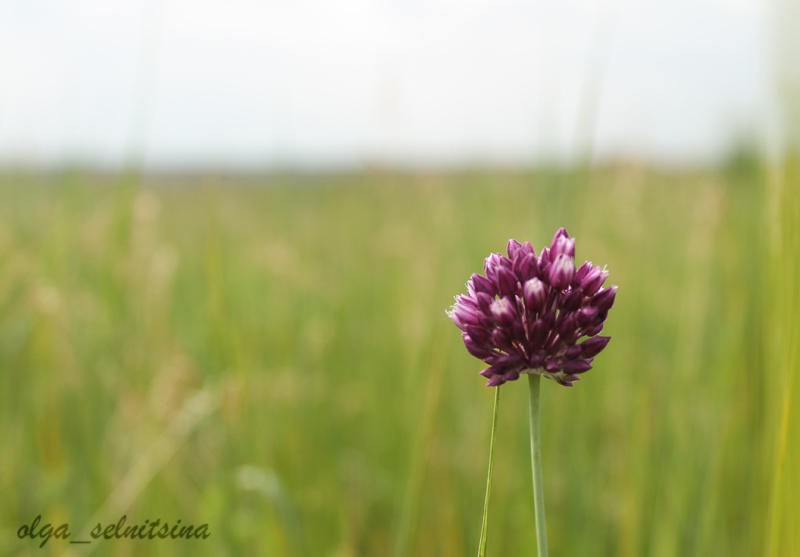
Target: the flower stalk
pixel 535 315
pixel 534 381
pixel 485 520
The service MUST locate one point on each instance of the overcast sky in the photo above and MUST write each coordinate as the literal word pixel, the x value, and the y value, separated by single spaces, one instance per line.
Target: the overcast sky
pixel 326 82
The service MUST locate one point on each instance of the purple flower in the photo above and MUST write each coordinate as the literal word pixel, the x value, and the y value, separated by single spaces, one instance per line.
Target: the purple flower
pixel 532 314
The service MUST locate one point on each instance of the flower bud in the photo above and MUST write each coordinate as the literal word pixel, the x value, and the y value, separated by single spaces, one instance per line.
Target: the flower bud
pixel 503 311
pixel 573 300
pixel 512 249
pixel 491 264
pixel 544 257
pixel 526 267
pixel 501 339
pixel 463 316
pixel 567 325
pixel 561 271
pixel 478 334
pixel 506 282
pixel 593 280
pixel 551 364
pixel 593 330
pixel 538 334
pixel 604 299
pixel 518 331
pixel 582 270
pixel 527 248
pixel 549 318
pixel 592 346
pixel 576 366
pixel 587 315
pixel 562 243
pixel 474 348
pixel 536 360
pixel 482 284
pixel 495 381
pixel 534 294
pixel 484 301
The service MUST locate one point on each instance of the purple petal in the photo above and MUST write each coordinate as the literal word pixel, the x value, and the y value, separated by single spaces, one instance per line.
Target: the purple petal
pixel 501 339
pixel 587 315
pixel 561 271
pixel 478 334
pixel 534 294
pixel 511 375
pixel 484 301
pixel 594 330
pixel 549 318
pixel 593 280
pixel 503 310
pixel 551 365
pixel 490 266
pixel 576 366
pixel 544 257
pixel 562 244
pixel 592 346
pixel 474 348
pixel 538 334
pixel 526 267
pixel 573 300
pixel 468 316
pixel 536 360
pixel 513 248
pixel 582 270
pixel 604 299
pixel 560 233
pixel 567 325
pixel 527 248
pixel 482 284
pixel 506 282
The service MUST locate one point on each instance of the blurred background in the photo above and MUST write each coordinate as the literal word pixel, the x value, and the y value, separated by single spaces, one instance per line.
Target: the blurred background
pixel 229 232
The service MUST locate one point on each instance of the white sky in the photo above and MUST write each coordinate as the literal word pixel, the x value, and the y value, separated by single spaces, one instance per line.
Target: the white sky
pixel 314 82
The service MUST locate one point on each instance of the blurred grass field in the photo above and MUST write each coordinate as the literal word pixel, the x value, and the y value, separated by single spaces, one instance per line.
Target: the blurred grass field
pixel 270 355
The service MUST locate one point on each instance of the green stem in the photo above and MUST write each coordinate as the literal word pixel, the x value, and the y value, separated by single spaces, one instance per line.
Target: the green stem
pixel 485 521
pixel 536 465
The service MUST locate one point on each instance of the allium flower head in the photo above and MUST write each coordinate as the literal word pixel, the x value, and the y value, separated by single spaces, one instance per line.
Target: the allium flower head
pixel 531 314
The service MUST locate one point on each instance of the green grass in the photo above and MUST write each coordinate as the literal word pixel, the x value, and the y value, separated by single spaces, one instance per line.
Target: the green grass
pixel 271 356
pixel 783 345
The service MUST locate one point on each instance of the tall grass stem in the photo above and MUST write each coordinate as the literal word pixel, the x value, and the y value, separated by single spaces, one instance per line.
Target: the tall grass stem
pixel 534 381
pixel 485 520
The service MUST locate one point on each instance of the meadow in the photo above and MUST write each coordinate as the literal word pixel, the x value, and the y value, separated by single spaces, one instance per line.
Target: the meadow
pixel 270 355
